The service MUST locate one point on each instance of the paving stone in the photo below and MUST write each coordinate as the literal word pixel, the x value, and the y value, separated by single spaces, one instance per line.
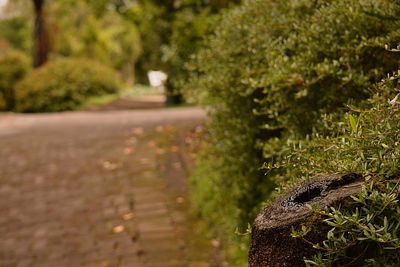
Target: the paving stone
pixel 178 217
pixel 23 263
pixel 39 245
pixel 101 263
pixel 130 261
pixel 120 200
pixel 160 245
pixel 154 236
pixel 167 263
pixel 151 213
pixel 109 212
pixel 7 263
pixel 146 206
pixel 199 264
pixel 146 227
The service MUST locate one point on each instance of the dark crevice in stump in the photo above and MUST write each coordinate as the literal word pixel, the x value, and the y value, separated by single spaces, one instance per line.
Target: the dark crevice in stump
pixel 272 244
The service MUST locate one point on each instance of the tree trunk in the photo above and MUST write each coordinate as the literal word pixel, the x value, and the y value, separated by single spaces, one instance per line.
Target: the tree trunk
pixel 41 39
pixel 271 241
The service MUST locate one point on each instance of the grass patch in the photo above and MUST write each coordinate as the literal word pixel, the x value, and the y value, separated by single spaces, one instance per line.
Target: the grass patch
pixel 131 92
pixel 99 101
pixel 140 90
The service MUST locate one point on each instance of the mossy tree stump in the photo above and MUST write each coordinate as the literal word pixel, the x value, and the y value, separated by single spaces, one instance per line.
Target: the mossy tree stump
pixel 272 244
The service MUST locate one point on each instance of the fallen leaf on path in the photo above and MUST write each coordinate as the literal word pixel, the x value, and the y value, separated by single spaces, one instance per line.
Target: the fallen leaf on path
pixel 215 243
pixel 128 216
pixel 129 150
pixel 118 229
pixel 109 166
pixel 180 200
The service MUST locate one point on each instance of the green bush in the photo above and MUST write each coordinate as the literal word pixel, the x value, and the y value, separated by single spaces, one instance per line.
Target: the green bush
pixel 268 71
pixel 14 65
pixel 365 231
pixel 64 84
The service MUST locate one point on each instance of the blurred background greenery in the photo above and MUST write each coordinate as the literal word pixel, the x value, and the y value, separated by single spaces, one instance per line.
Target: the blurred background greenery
pixel 131 37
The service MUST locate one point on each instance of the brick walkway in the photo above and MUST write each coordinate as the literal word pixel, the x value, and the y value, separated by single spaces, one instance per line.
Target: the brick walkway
pixel 88 189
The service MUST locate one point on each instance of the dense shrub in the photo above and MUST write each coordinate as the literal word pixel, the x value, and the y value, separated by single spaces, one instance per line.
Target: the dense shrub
pixel 14 65
pixel 365 231
pixel 268 72
pixel 64 84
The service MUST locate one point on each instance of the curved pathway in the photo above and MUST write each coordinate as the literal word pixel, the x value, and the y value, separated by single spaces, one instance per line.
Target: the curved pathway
pixel 88 189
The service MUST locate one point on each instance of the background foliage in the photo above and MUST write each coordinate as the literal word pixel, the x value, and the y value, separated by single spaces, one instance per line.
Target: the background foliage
pixel 81 30
pixel 133 37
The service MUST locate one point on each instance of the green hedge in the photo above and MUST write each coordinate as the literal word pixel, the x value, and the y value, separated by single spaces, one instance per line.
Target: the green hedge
pixel 268 71
pixel 365 231
pixel 64 84
pixel 14 64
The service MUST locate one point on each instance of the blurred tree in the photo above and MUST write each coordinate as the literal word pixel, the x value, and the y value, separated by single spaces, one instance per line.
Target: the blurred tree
pixel 17 31
pixel 190 21
pixel 100 7
pixel 41 38
pixel 170 30
pixel 154 31
pixel 94 29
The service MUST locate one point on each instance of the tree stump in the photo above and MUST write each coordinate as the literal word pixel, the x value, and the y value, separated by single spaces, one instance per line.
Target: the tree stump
pixel 271 241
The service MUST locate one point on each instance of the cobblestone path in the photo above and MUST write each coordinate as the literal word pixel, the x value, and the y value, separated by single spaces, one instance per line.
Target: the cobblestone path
pixel 88 189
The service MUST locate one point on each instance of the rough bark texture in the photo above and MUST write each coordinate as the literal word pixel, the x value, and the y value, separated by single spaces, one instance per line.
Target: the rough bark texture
pixel 272 244
pixel 41 39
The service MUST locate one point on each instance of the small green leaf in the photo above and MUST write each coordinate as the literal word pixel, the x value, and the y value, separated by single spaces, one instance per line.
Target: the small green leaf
pixel 353 123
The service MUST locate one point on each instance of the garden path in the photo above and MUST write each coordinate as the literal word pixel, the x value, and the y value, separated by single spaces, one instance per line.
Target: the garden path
pixel 95 189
